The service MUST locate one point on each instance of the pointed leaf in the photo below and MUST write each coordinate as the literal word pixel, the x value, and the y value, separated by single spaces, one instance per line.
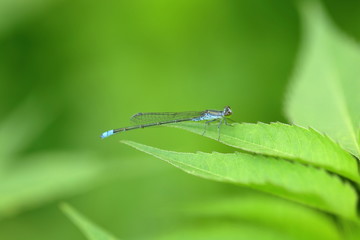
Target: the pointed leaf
pixel 304 184
pixel 90 230
pixel 324 93
pixel 285 141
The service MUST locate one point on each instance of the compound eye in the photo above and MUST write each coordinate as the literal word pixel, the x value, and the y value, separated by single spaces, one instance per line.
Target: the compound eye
pixel 227 111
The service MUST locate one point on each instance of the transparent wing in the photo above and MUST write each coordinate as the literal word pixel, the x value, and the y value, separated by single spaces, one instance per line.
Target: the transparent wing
pixel 153 117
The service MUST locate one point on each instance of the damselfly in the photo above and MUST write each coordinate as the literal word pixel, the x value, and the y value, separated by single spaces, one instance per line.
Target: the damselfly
pixel 155 119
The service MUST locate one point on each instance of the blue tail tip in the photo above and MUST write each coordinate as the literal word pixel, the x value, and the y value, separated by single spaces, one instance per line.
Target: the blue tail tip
pixel 107 133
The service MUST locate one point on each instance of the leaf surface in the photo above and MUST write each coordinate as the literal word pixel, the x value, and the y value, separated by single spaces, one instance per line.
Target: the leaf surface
pixel 226 231
pixel 305 184
pixel 267 211
pixel 284 141
pixel 89 229
pixel 324 92
pixel 47 176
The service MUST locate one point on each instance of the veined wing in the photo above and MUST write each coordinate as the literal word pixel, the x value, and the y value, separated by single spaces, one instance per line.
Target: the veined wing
pixel 154 117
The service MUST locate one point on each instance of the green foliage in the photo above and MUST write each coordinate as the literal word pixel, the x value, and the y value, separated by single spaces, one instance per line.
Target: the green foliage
pixel 45 177
pixel 284 141
pixel 87 71
pixel 351 230
pixel 291 219
pixel 227 231
pixel 296 163
pixel 297 182
pixel 89 229
pixel 39 177
pixel 324 93
pixel 16 134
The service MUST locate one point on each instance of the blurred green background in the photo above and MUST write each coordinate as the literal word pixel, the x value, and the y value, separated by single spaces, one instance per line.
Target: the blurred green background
pixel 70 70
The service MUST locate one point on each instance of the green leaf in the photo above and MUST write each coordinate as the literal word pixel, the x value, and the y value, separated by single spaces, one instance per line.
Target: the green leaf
pixel 45 177
pixel 266 211
pixel 226 231
pixel 351 229
pixel 17 134
pixel 14 11
pixel 324 93
pixel 285 141
pixel 304 184
pixel 89 229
